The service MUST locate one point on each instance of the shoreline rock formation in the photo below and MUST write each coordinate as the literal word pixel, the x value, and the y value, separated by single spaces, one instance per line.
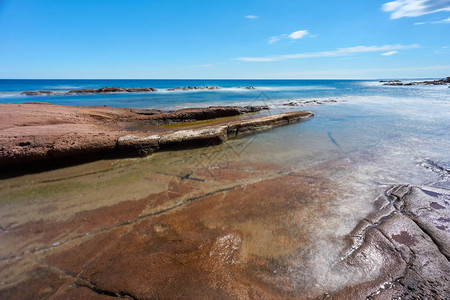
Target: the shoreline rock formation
pixel 409 230
pixel 104 90
pixel 309 102
pixel 443 81
pixel 188 88
pixel 33 132
pixel 111 90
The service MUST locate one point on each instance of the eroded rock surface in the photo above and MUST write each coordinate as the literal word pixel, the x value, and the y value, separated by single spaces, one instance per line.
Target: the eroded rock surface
pixel 417 233
pixel 232 231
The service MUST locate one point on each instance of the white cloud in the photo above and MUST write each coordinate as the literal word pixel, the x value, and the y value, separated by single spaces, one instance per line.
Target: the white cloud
pixel 251 17
pixel 415 8
pixel 389 53
pixel 294 35
pixel 337 52
pixel 298 34
pixel 273 40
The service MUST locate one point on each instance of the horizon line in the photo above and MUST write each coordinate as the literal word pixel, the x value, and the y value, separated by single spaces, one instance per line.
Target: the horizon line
pixel 362 78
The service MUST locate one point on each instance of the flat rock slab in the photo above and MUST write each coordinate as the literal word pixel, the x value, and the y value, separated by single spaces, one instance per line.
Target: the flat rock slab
pixel 39 131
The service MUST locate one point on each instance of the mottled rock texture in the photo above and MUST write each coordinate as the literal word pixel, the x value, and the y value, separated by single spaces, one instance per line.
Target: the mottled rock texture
pixel 232 232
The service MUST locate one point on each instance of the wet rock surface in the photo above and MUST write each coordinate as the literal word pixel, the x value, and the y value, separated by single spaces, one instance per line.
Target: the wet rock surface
pixel 414 232
pixel 38 131
pixel 234 230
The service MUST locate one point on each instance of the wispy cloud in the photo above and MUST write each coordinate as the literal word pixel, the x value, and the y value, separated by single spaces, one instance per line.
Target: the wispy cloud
pixel 252 17
pixel 415 8
pixel 389 53
pixel 294 36
pixel 435 22
pixel 274 39
pixel 337 52
pixel 298 34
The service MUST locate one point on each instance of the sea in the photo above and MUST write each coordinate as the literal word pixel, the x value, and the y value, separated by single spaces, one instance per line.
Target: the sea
pixel 273 92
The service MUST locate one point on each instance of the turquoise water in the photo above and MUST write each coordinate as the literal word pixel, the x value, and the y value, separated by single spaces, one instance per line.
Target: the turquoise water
pixel 273 92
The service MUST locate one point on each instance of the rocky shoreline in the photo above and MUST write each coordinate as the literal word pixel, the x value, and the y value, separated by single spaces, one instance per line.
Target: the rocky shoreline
pixel 111 90
pixel 443 81
pixel 32 132
pixel 147 247
pixel 180 224
pixel 409 231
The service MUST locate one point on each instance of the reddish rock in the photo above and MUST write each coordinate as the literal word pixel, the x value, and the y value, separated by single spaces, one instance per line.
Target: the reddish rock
pixel 38 131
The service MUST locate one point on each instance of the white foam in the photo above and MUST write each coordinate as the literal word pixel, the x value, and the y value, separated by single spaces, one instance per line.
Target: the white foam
pixel 256 89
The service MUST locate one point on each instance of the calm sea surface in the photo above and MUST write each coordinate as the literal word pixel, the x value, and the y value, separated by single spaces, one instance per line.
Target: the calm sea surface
pixel 267 90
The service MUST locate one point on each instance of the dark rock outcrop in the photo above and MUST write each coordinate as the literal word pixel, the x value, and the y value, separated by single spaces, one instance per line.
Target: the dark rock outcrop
pixel 309 102
pixel 139 90
pixel 427 82
pixel 104 90
pixel 107 90
pixel 208 87
pixel 37 93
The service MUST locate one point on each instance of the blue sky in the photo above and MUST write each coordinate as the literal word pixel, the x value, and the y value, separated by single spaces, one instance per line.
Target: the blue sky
pixel 224 39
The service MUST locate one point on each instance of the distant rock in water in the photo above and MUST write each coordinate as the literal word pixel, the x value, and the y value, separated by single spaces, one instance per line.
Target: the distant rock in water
pixel 309 102
pixel 37 93
pixel 104 90
pixel 208 87
pixel 427 82
pixel 138 90
pixel 107 90
pixel 251 87
pixel 389 81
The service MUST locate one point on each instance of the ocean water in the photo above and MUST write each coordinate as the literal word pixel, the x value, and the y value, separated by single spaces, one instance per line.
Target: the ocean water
pixel 371 138
pixel 273 92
